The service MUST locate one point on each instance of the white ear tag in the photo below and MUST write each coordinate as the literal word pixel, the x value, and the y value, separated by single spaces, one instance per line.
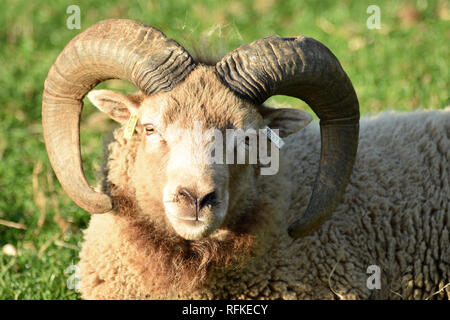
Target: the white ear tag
pixel 273 137
pixel 131 125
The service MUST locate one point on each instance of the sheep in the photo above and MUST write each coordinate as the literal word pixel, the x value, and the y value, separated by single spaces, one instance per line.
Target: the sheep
pixel 174 226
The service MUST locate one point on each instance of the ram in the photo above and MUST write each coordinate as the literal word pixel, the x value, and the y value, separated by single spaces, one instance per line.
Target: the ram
pixel 170 223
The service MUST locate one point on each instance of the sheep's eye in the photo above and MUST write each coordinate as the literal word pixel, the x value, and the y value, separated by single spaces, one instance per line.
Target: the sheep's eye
pixel 149 130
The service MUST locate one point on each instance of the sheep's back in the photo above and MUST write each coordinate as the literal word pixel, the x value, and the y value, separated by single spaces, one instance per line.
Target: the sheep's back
pixel 394 214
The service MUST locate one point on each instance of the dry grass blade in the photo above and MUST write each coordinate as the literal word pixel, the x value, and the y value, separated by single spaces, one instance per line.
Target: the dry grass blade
pixel 329 281
pixel 439 291
pixel 39 196
pixel 63 244
pixel 57 218
pixel 12 224
pixel 397 294
pixel 47 244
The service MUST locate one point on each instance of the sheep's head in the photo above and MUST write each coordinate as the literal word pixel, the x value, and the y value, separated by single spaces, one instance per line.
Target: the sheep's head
pixel 178 134
pixel 177 93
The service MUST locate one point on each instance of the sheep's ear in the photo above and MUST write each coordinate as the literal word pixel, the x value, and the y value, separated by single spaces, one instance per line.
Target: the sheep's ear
pixel 118 106
pixel 287 120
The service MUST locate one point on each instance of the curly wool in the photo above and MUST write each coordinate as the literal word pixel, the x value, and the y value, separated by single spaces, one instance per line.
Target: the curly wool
pixel 394 214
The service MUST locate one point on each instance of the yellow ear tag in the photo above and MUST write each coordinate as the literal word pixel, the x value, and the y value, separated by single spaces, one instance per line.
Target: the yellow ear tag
pixel 131 125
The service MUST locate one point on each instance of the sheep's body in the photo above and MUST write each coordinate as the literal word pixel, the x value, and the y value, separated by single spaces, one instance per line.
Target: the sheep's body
pixel 395 214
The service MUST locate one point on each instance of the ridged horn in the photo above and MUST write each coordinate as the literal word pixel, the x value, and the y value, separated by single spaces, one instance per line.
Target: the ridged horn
pixel 110 49
pixel 304 68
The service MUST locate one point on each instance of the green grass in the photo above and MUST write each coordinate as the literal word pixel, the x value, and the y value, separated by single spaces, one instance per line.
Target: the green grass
pixel 402 66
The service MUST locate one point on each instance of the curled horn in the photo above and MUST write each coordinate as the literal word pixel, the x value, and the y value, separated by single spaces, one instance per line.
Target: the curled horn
pixel 111 49
pixel 304 68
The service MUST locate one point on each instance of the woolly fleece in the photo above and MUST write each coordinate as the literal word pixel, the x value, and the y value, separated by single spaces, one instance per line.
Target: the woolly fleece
pixel 394 214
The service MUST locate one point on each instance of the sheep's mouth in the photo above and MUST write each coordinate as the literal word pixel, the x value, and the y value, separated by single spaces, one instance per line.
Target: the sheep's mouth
pixel 191 228
pixel 190 220
pixel 187 215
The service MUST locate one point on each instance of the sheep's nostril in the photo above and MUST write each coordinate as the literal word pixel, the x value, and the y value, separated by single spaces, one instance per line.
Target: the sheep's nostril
pixel 185 193
pixel 209 200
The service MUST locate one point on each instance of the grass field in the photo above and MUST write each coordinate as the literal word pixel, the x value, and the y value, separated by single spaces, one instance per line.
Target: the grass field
pixel 402 66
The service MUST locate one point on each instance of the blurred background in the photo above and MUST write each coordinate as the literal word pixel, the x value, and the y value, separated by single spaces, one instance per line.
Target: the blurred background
pixel 395 53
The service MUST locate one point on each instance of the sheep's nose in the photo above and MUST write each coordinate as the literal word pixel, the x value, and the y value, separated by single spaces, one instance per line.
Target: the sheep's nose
pixel 209 199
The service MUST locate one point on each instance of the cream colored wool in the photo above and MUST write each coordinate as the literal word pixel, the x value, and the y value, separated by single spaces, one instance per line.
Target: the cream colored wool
pixel 394 214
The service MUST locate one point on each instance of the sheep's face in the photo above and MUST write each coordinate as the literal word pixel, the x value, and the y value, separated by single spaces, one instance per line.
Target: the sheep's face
pixel 177 167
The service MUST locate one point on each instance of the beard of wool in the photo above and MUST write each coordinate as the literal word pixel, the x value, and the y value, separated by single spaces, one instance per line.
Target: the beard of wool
pixel 168 262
